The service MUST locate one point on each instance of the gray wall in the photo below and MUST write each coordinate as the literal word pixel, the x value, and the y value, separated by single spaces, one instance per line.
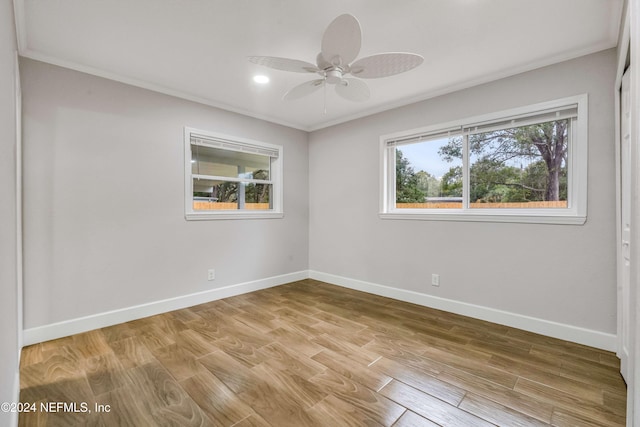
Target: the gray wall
pixel 103 209
pixel 8 244
pixel 104 225
pixel 564 274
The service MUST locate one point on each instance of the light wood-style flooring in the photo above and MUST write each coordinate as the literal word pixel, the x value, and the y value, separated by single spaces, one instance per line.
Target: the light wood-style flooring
pixel 312 354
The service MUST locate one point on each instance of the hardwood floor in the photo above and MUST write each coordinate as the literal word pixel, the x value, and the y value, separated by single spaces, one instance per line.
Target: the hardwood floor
pixel 309 353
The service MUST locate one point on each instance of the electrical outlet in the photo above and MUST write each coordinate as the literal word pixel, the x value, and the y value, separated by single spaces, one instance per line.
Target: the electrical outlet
pixel 435 280
pixel 211 275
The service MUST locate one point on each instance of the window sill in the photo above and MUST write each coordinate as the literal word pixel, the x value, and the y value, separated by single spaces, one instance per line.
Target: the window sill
pixel 546 217
pixel 205 216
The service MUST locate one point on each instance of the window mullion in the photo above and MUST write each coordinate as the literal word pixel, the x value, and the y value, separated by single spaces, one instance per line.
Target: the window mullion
pixel 392 176
pixel 232 179
pixel 465 172
pixel 572 164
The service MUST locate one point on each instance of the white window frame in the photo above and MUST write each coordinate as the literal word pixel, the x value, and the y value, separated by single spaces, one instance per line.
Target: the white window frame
pixel 218 140
pixel 575 213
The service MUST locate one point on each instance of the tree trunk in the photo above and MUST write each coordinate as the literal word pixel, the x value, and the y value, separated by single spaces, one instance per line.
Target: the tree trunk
pixel 552 151
pixel 553 185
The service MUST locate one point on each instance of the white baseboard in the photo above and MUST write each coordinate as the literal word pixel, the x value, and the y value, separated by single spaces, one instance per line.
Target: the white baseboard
pixel 109 318
pixel 571 333
pixel 575 334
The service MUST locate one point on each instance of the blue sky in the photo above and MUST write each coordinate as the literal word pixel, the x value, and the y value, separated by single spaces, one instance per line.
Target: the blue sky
pixel 424 156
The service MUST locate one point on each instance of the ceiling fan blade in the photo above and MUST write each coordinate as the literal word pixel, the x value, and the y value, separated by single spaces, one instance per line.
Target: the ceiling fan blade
pixel 303 89
pixel 284 64
pixel 353 90
pixel 385 64
pixel 341 40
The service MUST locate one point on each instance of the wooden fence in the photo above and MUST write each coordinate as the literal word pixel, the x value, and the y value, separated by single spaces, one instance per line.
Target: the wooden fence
pixel 476 205
pixel 215 206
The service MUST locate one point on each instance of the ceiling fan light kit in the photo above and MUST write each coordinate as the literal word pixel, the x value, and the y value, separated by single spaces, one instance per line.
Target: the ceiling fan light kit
pixel 340 46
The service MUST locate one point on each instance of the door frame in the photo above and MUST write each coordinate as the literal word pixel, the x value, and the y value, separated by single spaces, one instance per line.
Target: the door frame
pixel 633 392
pixel 624 173
pixel 623 52
pixel 629 46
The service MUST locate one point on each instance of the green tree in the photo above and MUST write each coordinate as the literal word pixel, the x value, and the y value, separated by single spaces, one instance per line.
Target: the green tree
pixel 451 184
pixel 407 190
pixel 543 144
pixel 428 184
pixel 226 192
pixel 491 181
pixel 258 193
pixel 536 176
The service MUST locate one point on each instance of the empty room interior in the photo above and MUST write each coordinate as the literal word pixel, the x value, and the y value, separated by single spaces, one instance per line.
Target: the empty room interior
pixel 291 213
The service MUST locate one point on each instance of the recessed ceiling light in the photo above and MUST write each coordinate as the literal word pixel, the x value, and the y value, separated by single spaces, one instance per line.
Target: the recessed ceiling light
pixel 260 79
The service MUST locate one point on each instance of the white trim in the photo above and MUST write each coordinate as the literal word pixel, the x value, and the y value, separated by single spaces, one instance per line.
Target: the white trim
pixel 13 418
pixel 234 144
pixel 622 53
pixel 209 215
pixel 109 318
pixel 276 180
pixel 623 50
pixel 571 333
pixel 25 51
pixel 456 87
pixel 524 110
pixel 562 331
pixel 574 214
pixel 116 77
pixel 19 241
pixel 486 215
pixel 490 77
pixel 21 26
pixel 231 179
pixel 633 385
pixel 619 262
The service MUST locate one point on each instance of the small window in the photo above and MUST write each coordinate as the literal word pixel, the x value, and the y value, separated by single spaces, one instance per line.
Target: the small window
pixel 228 177
pixel 523 165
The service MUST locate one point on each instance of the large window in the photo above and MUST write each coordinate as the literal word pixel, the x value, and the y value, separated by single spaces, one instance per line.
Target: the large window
pixel 228 177
pixel 523 165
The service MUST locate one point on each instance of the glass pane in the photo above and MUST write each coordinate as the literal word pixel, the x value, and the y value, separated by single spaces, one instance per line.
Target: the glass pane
pixel 214 195
pixel 257 196
pixel 521 167
pixel 221 195
pixel 233 164
pixel 429 174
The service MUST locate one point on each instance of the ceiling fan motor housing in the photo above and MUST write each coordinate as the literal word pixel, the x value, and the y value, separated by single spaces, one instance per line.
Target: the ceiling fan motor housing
pixel 333 75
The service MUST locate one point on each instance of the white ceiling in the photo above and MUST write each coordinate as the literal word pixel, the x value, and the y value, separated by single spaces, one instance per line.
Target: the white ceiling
pixel 197 49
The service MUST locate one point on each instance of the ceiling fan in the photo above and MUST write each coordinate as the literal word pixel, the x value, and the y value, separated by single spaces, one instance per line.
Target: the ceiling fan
pixel 340 47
